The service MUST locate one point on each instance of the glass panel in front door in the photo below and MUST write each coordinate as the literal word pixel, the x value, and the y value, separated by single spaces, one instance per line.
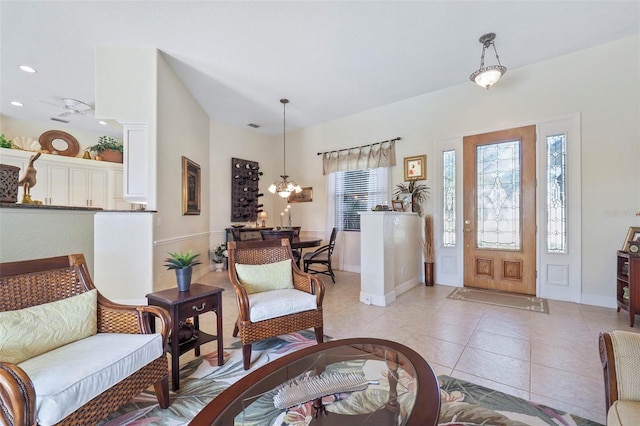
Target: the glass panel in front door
pixel 498 190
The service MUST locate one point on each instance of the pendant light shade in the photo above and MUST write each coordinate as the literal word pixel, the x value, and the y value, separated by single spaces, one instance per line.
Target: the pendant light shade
pixel 488 76
pixel 284 187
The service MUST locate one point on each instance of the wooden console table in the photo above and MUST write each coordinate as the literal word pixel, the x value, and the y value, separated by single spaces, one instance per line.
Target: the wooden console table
pixel 189 304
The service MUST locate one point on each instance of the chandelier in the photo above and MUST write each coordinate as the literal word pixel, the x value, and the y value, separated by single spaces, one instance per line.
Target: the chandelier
pixel 488 76
pixel 284 187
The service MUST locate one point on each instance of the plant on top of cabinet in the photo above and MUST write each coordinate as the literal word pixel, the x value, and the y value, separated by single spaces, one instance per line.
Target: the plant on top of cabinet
pixel 4 143
pixel 419 193
pixel 108 149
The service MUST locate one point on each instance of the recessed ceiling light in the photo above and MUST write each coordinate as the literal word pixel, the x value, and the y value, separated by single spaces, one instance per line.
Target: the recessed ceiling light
pixel 27 68
pixel 102 122
pixel 16 103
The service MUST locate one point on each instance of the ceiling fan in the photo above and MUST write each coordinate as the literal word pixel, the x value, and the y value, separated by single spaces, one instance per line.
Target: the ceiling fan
pixel 71 107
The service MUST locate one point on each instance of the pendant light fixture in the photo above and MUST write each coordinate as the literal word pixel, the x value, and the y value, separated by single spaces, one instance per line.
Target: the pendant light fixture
pixel 284 187
pixel 488 76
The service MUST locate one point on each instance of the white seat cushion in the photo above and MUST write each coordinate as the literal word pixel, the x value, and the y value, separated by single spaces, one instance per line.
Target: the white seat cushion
pixel 277 303
pixel 68 377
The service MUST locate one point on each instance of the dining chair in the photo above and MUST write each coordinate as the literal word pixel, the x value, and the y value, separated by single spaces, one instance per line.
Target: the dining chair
pixel 277 234
pixel 322 256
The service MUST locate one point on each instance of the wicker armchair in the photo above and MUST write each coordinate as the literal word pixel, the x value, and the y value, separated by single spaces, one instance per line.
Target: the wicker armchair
pixel 620 357
pixel 31 283
pixel 267 252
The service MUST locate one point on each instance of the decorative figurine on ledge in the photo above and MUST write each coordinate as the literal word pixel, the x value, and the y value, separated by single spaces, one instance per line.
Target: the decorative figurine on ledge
pixel 28 181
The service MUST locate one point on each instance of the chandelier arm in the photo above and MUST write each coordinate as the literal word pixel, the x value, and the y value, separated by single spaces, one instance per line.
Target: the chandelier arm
pixel 284 138
pixel 484 48
pixel 496 52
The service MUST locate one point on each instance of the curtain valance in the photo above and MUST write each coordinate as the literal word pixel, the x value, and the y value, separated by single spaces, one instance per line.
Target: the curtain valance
pixel 381 154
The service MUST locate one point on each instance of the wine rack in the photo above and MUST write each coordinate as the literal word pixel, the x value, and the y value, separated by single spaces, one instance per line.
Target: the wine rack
pixel 245 176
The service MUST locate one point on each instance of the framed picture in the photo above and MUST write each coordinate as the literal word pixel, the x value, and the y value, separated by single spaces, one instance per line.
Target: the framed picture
pixel 415 168
pixel 398 205
pixel 632 235
pixel 407 202
pixel 302 197
pixel 190 187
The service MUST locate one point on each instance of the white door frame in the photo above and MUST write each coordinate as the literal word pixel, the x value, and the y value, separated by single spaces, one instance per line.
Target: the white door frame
pixel 559 276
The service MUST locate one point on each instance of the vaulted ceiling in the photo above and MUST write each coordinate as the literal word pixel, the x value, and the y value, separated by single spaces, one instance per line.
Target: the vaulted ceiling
pixel 331 59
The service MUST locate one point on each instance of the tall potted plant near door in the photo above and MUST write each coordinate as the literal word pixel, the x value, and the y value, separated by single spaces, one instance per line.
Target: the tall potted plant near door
pixel 427 250
pixel 183 264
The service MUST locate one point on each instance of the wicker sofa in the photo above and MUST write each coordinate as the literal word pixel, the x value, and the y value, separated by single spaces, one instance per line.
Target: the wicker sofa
pixel 620 357
pixel 80 381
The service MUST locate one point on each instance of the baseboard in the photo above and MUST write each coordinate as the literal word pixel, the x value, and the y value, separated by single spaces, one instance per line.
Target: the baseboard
pixel 596 300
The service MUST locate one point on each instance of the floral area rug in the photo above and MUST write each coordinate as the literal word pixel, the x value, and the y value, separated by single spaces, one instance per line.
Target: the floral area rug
pixel 201 380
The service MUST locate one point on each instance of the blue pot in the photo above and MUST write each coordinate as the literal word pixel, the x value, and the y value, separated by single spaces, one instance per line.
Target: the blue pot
pixel 184 278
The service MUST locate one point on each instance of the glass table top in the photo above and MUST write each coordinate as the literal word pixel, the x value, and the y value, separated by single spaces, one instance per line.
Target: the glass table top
pixel 400 388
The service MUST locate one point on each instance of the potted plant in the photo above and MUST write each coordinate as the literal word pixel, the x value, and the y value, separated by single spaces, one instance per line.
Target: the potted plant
pixel 4 143
pixel 108 149
pixel 219 256
pixel 183 264
pixel 419 194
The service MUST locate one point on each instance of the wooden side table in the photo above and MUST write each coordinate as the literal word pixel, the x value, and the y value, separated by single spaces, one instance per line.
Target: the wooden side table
pixel 189 304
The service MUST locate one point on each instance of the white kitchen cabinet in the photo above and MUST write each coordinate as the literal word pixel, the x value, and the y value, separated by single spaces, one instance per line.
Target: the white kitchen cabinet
pixel 52 187
pixel 118 192
pixel 52 180
pixel 71 181
pixel 88 187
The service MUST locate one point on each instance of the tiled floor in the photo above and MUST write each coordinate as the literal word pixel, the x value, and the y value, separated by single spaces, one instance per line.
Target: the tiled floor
pixel 548 358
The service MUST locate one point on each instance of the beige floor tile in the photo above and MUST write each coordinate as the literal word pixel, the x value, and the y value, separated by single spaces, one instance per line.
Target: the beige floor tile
pixel 548 358
pixel 586 363
pixel 499 368
pixel 520 393
pixel 502 345
pixel 434 350
pixel 456 317
pixel 493 324
pixel 582 391
pixel 447 332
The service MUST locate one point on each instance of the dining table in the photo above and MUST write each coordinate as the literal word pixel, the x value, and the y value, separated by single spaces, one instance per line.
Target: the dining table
pixel 301 243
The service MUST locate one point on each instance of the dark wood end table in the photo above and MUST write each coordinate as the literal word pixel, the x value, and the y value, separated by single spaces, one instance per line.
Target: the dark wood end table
pixel 189 304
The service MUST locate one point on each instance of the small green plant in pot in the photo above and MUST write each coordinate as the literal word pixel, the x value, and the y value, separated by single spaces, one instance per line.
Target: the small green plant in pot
pixel 108 149
pixel 219 256
pixel 183 264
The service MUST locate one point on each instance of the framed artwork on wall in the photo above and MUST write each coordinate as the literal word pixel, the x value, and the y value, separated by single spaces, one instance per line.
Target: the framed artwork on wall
pixel 415 168
pixel 302 197
pixel 190 187
pixel 632 235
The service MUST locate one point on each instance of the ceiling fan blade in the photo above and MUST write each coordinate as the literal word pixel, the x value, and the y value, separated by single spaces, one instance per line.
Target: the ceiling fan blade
pixel 88 112
pixel 65 114
pixel 51 103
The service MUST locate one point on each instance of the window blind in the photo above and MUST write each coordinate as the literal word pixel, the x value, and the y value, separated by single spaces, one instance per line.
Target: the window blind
pixel 356 191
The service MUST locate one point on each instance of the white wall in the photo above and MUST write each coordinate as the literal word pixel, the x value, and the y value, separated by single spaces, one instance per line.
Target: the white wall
pixel 37 233
pixel 183 130
pixel 602 84
pixel 227 142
